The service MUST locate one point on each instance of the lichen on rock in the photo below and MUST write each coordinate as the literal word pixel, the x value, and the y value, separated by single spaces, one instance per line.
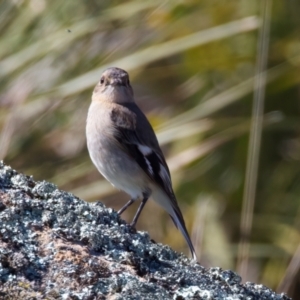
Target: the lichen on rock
pixel 54 245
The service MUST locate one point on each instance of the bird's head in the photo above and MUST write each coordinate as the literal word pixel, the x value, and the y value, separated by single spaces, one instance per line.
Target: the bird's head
pixel 114 86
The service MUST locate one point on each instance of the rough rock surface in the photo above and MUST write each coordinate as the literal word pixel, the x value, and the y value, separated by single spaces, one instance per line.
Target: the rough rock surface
pixel 56 246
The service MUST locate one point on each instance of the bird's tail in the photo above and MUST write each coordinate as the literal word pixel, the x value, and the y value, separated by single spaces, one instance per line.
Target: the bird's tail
pixel 171 206
pixel 180 224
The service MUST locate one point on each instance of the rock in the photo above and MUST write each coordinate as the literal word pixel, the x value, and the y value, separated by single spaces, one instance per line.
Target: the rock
pixel 56 246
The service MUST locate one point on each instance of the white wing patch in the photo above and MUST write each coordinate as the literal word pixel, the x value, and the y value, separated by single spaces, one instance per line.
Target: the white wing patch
pixel 149 167
pixel 145 150
pixel 152 166
pixel 165 177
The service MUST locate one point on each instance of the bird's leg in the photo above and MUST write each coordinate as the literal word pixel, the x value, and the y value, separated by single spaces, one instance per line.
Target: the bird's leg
pixel 120 211
pixel 146 197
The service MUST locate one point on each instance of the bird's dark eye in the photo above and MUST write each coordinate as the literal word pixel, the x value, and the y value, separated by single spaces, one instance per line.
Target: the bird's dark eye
pixel 102 80
pixel 128 83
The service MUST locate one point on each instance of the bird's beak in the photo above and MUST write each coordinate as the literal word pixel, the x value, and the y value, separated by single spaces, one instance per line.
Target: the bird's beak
pixel 116 82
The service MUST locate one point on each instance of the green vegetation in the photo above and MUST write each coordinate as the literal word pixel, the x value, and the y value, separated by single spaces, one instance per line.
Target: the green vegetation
pixel 192 66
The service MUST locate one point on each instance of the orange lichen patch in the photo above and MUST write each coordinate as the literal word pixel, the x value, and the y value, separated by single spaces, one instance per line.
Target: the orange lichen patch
pixel 70 252
pixel 4 198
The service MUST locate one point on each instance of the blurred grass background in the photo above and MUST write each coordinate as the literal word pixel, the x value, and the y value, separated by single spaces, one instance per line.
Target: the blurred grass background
pixel 192 66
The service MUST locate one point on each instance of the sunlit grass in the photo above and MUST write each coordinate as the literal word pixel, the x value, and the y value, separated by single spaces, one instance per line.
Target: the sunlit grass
pixel 192 68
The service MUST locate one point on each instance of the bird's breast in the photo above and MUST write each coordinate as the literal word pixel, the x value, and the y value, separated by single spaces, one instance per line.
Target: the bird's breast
pixel 109 157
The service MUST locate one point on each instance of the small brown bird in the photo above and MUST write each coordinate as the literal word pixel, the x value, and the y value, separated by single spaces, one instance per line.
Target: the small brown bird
pixel 125 150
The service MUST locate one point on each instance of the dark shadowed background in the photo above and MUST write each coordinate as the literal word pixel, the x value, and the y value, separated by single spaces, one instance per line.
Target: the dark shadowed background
pixel 192 66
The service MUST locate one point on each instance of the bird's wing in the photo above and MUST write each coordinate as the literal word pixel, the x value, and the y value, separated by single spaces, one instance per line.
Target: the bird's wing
pixel 137 138
pixel 147 154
